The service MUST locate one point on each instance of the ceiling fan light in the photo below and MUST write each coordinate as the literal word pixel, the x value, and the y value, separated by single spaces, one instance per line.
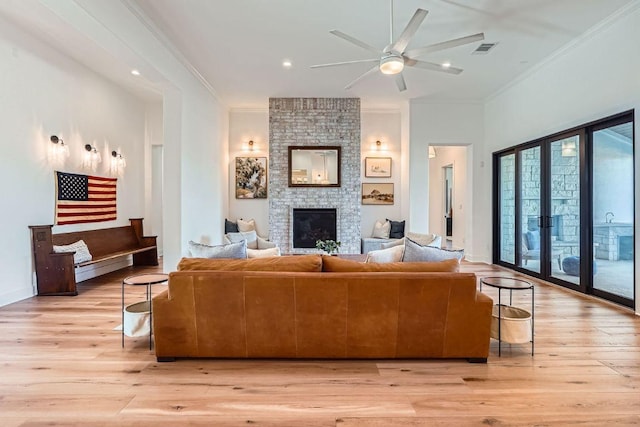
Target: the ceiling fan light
pixel 391 64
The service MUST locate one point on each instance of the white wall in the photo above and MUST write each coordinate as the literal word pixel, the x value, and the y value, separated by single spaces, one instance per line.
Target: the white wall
pixel 456 157
pixel 383 126
pixel 446 124
pixel 592 79
pixel 195 123
pixel 43 93
pixel 245 126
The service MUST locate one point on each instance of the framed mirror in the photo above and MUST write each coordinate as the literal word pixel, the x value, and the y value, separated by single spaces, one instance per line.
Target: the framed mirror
pixel 314 166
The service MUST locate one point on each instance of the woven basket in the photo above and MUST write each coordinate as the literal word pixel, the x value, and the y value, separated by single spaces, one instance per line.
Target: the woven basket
pixel 515 324
pixel 137 319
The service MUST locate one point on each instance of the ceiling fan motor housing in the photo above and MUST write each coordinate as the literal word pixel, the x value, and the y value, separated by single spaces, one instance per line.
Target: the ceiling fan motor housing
pixel 391 63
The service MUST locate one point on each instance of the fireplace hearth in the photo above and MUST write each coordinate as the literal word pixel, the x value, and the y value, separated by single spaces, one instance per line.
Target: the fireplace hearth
pixel 311 224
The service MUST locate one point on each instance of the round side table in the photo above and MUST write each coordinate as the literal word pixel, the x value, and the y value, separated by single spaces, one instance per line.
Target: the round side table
pixel 512 284
pixel 147 280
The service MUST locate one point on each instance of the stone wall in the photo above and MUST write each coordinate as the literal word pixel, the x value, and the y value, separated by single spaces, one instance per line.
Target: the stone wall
pixel 314 122
pixel 565 199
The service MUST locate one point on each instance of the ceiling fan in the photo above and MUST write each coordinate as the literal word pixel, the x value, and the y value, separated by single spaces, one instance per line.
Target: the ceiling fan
pixel 393 58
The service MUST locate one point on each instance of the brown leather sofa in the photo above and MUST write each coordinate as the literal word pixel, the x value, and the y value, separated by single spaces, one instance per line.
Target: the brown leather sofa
pixel 320 311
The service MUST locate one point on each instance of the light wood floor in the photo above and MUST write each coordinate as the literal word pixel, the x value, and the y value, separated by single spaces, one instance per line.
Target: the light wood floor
pixel 62 364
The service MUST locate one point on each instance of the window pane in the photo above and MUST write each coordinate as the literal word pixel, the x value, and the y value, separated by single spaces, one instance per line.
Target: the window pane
pixel 507 208
pixel 613 211
pixel 530 208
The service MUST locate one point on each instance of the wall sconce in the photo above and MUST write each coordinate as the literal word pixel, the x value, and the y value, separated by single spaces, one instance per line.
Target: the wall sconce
pixel 58 151
pixel 91 158
pixel 432 152
pixel 569 148
pixel 378 145
pixel 118 163
pixel 250 144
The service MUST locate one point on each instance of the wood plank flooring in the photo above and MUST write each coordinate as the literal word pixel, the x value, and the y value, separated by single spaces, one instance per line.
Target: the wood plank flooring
pixel 62 364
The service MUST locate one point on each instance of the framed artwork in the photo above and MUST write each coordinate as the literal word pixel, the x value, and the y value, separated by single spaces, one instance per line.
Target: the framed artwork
pixel 251 177
pixel 377 167
pixel 377 194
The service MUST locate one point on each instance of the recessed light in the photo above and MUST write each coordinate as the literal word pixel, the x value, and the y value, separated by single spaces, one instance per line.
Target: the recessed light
pixel 135 72
pixel 286 63
pixel 446 64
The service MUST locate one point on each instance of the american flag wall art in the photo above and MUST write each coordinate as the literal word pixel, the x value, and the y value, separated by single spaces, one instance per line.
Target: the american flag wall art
pixel 83 198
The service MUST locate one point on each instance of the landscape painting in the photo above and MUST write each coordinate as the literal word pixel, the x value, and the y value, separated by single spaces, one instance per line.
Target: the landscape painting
pixel 251 177
pixel 377 167
pixel 377 194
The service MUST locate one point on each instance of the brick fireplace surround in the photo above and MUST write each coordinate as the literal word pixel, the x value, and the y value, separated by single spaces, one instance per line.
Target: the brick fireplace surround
pixel 314 122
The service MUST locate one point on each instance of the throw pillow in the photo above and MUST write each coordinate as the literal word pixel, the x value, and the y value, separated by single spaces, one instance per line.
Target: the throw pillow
pixel 381 230
pixel 421 239
pixel 251 237
pixel 399 242
pixel 533 240
pixel 263 253
pixel 393 254
pixel 80 248
pixel 231 250
pixel 265 244
pixel 230 227
pixel 397 229
pixel 413 252
pixel 307 263
pixel 244 226
pixel 332 264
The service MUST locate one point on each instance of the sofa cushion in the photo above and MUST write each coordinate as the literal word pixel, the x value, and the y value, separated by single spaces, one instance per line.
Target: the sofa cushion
pixel 248 225
pixel 263 253
pixel 231 250
pixel 297 263
pixel 230 226
pixel 334 264
pixel 250 236
pixel 381 230
pixel 397 229
pixel 414 252
pixel 80 248
pixel 392 254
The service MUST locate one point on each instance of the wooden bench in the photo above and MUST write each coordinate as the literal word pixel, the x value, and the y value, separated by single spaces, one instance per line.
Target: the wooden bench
pixel 55 272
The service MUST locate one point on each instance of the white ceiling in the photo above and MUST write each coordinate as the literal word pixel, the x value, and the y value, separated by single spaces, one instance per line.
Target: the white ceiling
pixel 238 45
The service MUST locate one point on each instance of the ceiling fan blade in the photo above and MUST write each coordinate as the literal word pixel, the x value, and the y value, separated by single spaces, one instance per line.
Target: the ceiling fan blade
pixel 414 53
pixel 433 67
pixel 401 43
pixel 362 76
pixel 402 86
pixel 355 41
pixel 345 63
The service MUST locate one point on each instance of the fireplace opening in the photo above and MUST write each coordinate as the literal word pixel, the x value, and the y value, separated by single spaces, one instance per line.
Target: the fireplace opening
pixel 310 225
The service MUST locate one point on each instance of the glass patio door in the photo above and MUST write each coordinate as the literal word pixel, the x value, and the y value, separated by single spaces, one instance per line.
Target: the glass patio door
pixel 563 218
pixel 613 211
pixel 530 209
pixel 564 208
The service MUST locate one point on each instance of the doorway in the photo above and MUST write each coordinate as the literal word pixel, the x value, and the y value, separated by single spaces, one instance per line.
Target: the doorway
pixel 449 172
pixel 447 214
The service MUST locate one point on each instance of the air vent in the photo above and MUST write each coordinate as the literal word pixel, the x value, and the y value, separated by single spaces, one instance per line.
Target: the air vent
pixel 484 48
